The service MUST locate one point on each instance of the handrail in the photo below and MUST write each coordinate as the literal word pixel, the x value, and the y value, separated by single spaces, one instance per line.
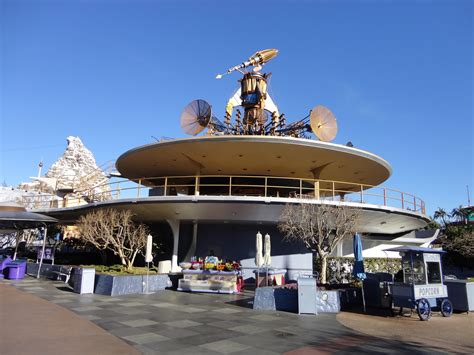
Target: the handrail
pixel 234 185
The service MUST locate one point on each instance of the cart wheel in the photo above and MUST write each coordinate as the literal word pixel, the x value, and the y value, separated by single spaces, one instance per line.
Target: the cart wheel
pixel 446 308
pixel 423 308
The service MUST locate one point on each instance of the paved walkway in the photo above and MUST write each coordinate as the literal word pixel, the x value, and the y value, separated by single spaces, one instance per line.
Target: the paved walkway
pixel 454 334
pixel 31 325
pixel 176 323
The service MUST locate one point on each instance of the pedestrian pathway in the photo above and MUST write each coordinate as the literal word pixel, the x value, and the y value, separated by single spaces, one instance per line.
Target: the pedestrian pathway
pixel 31 325
pixel 182 323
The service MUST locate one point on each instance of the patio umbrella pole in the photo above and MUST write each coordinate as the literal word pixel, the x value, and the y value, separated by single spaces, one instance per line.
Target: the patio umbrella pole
pixel 363 296
pixel 42 252
pixel 17 239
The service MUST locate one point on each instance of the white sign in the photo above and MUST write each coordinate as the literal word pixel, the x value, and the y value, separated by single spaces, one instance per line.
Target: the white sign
pixel 430 291
pixel 431 257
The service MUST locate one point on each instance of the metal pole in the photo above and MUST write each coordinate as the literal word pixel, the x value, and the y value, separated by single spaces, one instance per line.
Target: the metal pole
pixel 147 273
pixel 17 240
pixel 42 252
pixel 266 277
pixel 363 296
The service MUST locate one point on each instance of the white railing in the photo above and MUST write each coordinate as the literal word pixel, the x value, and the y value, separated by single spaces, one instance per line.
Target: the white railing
pixel 234 185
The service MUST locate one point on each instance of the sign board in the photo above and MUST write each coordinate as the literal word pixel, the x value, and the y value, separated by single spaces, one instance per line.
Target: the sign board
pixel 431 291
pixel 48 253
pixel 432 257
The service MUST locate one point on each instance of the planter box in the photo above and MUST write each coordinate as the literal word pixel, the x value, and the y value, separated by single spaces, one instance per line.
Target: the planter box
pixel 47 270
pixel 110 285
pixel 275 299
pixel 281 299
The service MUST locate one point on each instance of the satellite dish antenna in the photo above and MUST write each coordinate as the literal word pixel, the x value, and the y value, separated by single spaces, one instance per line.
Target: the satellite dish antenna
pixel 323 123
pixel 196 116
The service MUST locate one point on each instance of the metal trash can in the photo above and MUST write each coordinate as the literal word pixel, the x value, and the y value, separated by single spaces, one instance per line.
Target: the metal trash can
pixel 84 279
pixel 307 296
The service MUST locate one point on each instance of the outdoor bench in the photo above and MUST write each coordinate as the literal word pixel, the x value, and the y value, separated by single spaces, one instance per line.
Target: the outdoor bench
pixel 64 271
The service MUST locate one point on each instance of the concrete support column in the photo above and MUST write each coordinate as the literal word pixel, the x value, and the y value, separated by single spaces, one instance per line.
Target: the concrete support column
pixel 316 190
pixel 198 184
pixel 339 248
pixel 192 248
pixel 174 224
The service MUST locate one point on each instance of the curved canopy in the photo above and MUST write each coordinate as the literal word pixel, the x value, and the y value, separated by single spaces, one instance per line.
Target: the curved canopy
pixel 14 216
pixel 254 156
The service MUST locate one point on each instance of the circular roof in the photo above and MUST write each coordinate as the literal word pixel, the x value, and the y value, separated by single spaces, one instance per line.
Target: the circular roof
pixel 254 156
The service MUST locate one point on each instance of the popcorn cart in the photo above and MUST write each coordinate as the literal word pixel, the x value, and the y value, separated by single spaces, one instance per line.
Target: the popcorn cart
pixel 422 287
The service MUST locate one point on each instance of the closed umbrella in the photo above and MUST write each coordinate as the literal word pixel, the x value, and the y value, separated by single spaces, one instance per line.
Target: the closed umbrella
pixel 148 257
pixel 258 254
pixel 358 269
pixel 267 259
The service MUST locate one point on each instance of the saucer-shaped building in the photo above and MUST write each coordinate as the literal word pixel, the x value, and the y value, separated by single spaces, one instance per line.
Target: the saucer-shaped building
pixel 215 192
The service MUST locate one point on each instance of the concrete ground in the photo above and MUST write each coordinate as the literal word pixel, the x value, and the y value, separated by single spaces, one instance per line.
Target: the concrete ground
pixel 171 322
pixel 31 325
pixel 453 334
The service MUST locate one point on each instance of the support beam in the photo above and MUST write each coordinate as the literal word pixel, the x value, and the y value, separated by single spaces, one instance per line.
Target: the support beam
pixel 192 247
pixel 174 224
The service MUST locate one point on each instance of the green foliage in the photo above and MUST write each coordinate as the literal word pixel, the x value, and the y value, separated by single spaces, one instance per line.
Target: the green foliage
pixel 340 269
pixel 458 241
pixel 457 236
pixel 117 270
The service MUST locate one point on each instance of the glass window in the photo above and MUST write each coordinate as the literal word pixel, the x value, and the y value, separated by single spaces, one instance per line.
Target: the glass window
pixel 419 270
pixel 407 276
pixel 434 273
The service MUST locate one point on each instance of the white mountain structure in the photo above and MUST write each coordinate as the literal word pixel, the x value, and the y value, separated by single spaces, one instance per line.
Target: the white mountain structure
pixel 76 169
pixel 75 174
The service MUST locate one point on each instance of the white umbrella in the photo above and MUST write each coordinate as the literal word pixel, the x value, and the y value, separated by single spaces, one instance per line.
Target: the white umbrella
pixel 148 257
pixel 267 259
pixel 259 255
pixel 149 245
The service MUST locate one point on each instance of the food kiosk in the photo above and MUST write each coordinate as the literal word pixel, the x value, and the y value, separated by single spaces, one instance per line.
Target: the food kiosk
pixel 210 276
pixel 422 287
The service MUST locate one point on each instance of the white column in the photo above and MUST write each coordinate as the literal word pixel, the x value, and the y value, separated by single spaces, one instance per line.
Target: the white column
pixel 339 248
pixel 192 248
pixel 174 224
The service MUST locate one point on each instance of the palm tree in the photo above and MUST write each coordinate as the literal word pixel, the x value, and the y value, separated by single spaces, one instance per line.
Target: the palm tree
pixel 459 214
pixel 440 214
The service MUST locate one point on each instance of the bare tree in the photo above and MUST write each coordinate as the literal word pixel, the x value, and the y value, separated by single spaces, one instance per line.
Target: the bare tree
pixel 114 230
pixel 319 227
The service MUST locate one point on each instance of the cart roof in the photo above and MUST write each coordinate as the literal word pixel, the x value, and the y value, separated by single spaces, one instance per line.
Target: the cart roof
pixel 412 249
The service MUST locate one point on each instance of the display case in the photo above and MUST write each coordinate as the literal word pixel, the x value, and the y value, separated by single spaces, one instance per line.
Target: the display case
pixel 214 281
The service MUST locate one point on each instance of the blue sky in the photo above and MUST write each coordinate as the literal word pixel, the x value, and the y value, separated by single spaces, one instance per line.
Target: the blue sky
pixel 398 75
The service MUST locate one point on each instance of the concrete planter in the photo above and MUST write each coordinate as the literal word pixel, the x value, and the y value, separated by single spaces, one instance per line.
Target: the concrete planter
pixel 276 299
pixel 110 285
pixel 47 270
pixel 281 299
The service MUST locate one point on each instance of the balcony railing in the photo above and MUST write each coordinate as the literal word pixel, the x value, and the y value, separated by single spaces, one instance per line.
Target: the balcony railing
pixel 219 185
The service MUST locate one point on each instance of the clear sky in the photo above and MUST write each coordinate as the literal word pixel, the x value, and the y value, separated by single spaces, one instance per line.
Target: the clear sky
pixel 398 75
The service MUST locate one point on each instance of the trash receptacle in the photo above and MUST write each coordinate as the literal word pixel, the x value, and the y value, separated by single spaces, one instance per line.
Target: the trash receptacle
pixel 16 270
pixel 307 296
pixel 84 279
pixel 3 266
